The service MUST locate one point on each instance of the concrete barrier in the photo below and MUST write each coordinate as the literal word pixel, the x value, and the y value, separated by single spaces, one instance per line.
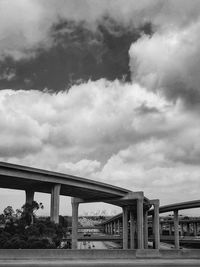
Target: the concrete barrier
pixel 42 254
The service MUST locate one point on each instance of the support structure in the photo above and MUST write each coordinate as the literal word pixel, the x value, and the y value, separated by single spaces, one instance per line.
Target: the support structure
pixel 132 230
pixel 125 227
pixel 156 223
pixel 75 205
pixel 140 237
pixel 176 229
pixel 145 229
pixel 118 227
pixel 55 199
pixel 29 196
pixel 195 228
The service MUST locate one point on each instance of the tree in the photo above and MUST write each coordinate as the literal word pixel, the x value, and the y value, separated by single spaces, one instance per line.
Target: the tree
pixel 28 211
pixel 8 212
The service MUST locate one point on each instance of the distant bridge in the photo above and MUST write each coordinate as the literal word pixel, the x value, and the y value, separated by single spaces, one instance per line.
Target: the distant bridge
pixel 113 225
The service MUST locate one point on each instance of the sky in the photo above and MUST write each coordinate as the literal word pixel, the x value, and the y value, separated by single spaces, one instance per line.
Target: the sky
pixel 103 89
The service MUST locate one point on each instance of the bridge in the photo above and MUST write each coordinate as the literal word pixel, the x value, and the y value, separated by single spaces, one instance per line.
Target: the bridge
pixel 136 209
pixel 113 225
pixel 81 190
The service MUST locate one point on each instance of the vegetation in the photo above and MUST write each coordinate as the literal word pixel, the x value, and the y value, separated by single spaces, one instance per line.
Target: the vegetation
pixel 21 229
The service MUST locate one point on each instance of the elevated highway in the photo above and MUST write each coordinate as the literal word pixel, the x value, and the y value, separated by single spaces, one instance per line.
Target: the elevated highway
pixel 81 190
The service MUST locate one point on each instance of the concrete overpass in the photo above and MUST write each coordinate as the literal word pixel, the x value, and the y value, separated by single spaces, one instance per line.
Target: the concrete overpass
pixel 134 204
pixel 113 224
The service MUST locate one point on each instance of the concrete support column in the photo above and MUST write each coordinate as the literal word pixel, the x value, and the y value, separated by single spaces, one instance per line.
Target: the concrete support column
pixel 156 224
pixel 29 196
pixel 118 226
pixel 182 230
pixel 114 228
pixel 140 237
pixel 195 228
pixel 111 228
pixel 170 229
pixel 125 227
pixel 145 229
pixel 75 205
pixel 161 228
pixel 55 199
pixel 132 230
pixel 176 229
pixel 188 228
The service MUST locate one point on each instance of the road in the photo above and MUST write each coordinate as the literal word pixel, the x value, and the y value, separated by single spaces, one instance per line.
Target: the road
pixel 97 245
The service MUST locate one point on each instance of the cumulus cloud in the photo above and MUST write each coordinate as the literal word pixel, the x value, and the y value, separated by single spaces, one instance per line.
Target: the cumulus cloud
pixel 169 63
pixel 108 131
pixel 156 166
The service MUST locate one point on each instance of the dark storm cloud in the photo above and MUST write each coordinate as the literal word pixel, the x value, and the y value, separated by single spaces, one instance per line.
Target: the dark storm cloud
pixel 76 54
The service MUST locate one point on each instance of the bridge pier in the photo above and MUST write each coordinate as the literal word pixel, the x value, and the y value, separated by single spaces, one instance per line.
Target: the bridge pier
pixel 156 224
pixel 125 227
pixel 29 196
pixel 55 199
pixel 145 229
pixel 132 230
pixel 195 228
pixel 140 237
pixel 118 226
pixel 176 229
pixel 75 205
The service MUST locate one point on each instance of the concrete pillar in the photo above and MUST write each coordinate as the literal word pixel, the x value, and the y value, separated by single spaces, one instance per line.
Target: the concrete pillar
pixel 55 199
pixel 75 205
pixel 111 228
pixel 29 196
pixel 176 229
pixel 106 228
pixel 118 226
pixel 195 228
pixel 140 237
pixel 132 230
pixel 161 228
pixel 182 230
pixel 114 228
pixel 170 229
pixel 145 229
pixel 156 224
pixel 125 228
pixel 188 228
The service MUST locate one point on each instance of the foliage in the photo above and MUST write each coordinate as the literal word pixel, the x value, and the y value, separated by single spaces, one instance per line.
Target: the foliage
pixel 23 230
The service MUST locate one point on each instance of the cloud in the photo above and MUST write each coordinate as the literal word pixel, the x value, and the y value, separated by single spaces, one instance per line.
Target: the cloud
pixel 169 63
pixel 96 118
pixel 150 166
pixel 114 132
pixel 25 25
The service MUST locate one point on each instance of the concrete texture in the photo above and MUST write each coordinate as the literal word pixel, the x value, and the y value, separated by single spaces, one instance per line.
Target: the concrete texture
pixel 105 263
pixel 57 254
